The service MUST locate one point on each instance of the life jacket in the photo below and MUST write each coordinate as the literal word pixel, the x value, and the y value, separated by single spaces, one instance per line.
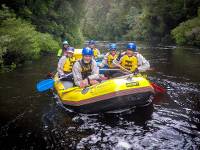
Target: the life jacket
pixel 95 52
pixel 110 59
pixel 130 63
pixel 59 54
pixel 86 68
pixel 69 62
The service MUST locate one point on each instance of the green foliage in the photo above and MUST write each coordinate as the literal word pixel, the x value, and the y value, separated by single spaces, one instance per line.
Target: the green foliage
pixel 46 42
pixel 29 27
pixel 6 13
pixel 149 20
pixel 4 41
pixel 19 39
pixel 188 32
pixel 60 18
pixel 22 35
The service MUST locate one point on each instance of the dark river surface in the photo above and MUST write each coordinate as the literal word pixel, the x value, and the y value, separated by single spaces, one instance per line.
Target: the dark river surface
pixel 32 120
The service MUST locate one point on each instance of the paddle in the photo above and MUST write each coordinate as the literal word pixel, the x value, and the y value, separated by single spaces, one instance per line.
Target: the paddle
pixel 117 64
pixel 48 83
pixel 157 88
pixel 107 69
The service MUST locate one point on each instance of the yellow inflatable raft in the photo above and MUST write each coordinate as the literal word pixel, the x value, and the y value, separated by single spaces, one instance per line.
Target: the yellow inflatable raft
pixel 110 95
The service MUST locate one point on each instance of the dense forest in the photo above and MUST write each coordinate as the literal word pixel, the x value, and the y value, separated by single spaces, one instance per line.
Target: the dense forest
pixel 146 20
pixel 31 27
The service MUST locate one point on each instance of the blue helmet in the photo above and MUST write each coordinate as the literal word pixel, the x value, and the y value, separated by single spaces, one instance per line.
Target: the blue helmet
pixel 70 49
pixel 87 51
pixel 113 46
pixel 91 42
pixel 132 46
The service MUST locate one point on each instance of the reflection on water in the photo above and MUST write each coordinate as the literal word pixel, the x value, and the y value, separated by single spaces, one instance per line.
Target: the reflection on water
pixel 31 120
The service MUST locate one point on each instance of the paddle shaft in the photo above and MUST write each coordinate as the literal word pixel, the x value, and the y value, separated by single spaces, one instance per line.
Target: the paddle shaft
pixel 107 69
pixel 48 83
pixel 122 67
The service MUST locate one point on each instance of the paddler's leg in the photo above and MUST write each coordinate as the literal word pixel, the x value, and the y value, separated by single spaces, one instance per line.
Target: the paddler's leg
pixel 67 84
pixel 118 74
pixel 68 78
pixel 108 74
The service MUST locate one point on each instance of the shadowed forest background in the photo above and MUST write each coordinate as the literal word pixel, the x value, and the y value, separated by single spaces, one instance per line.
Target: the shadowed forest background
pixel 29 28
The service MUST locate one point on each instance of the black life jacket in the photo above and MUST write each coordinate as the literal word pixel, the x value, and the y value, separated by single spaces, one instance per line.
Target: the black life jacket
pixel 86 68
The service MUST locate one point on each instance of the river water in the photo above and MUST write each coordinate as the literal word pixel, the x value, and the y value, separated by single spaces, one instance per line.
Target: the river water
pixel 32 120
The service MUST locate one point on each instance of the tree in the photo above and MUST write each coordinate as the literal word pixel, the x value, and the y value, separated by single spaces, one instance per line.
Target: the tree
pixel 149 20
pixel 21 40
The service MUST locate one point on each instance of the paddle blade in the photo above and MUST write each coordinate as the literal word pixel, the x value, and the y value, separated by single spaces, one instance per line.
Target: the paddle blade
pixel 158 89
pixel 45 85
